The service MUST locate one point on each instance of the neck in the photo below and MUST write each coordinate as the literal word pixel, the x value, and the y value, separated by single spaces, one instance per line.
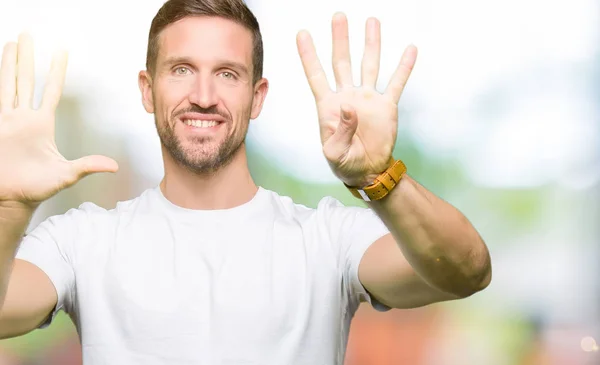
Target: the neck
pixel 226 188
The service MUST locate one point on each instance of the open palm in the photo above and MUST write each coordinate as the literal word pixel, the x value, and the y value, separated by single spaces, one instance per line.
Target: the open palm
pixel 358 125
pixel 31 167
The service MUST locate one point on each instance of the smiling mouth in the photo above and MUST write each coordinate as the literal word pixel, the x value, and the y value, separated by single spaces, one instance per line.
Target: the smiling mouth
pixel 201 123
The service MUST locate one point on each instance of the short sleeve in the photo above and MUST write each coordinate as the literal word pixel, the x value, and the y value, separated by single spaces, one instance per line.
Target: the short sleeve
pixel 49 246
pixel 352 230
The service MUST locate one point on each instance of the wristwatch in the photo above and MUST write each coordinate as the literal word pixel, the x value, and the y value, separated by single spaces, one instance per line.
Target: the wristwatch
pixel 383 184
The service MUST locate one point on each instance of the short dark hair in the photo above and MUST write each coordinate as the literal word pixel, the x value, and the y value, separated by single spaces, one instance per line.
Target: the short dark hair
pixel 235 10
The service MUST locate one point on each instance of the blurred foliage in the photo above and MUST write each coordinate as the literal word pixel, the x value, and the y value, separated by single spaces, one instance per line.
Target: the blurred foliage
pixel 35 342
pixel 518 208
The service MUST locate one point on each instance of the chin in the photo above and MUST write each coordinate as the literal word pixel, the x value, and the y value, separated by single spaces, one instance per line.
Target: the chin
pixel 205 161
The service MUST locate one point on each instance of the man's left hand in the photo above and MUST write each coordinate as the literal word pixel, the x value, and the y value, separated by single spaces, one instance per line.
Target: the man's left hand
pixel 358 125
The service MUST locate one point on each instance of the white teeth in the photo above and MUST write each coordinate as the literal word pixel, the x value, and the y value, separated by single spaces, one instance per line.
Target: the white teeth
pixel 201 123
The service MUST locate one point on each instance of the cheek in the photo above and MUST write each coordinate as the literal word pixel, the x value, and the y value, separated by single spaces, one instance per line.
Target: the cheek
pixel 169 96
pixel 237 100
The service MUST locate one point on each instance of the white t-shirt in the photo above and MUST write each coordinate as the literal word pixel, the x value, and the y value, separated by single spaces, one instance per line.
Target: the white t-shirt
pixel 267 282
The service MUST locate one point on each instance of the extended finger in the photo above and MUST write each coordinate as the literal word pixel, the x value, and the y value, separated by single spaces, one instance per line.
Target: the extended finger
pixel 312 66
pixel 8 77
pixel 88 165
pixel 402 73
pixel 55 81
pixel 25 71
pixel 371 56
pixel 342 66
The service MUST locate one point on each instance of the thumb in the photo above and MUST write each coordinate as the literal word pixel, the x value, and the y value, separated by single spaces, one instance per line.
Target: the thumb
pixel 346 127
pixel 88 165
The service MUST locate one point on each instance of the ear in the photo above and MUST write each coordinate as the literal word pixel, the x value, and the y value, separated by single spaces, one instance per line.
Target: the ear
pixel 260 93
pixel 145 84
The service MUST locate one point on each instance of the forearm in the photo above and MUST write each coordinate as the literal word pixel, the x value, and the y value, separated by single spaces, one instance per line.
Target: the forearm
pixel 437 240
pixel 14 219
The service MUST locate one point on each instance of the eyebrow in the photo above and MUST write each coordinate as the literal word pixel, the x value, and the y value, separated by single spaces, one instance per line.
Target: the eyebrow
pixel 172 61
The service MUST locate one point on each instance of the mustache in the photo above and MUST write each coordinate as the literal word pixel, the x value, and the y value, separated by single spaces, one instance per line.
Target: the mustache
pixel 198 109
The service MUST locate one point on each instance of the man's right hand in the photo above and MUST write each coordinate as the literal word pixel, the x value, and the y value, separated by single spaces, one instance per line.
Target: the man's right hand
pixel 31 167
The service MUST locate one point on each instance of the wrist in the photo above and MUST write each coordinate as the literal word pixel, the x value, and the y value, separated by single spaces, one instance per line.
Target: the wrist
pixel 368 178
pixel 361 182
pixel 383 185
pixel 15 217
pixel 11 210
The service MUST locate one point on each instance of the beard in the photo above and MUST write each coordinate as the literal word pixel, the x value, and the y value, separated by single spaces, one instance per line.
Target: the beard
pixel 202 155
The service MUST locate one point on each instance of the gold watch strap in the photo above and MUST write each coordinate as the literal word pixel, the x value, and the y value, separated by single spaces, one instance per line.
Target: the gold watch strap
pixel 383 184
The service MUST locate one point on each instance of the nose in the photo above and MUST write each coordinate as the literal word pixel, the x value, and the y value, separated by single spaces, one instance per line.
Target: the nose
pixel 203 92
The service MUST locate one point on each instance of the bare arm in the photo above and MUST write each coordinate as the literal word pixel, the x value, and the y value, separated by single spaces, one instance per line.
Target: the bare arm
pixel 432 254
pixel 27 295
pixel 31 171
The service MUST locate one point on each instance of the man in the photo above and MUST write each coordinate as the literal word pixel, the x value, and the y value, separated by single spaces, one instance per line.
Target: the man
pixel 208 268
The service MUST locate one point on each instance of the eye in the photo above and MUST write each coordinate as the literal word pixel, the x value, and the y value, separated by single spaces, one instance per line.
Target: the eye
pixel 182 70
pixel 228 75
